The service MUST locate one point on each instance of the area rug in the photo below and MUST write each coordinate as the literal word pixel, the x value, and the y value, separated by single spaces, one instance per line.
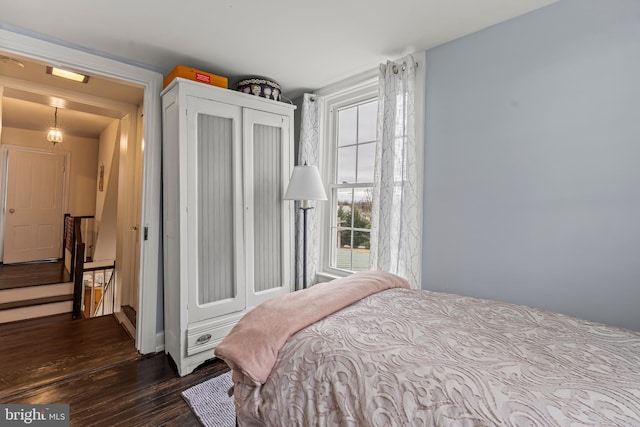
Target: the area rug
pixel 211 403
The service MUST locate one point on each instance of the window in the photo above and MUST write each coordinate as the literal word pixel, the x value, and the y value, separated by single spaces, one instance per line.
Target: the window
pixel 347 143
pixel 352 188
pixel 350 145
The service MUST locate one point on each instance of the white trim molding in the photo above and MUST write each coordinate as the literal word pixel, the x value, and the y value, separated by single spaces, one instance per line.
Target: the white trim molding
pixel 160 342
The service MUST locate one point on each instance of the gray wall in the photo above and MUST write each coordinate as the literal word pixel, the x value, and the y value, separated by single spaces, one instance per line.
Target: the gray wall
pixel 532 162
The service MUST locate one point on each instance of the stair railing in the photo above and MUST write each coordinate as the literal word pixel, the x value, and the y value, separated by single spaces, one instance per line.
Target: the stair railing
pixel 107 301
pixel 77 271
pixel 85 279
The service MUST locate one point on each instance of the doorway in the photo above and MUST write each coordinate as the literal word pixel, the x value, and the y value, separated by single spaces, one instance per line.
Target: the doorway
pixel 146 228
pixel 98 154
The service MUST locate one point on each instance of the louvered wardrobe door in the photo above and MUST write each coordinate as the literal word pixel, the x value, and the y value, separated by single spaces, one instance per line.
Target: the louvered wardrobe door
pixel 217 284
pixel 268 217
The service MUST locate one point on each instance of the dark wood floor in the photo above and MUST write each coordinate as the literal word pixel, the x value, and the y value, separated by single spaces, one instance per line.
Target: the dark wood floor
pixel 30 274
pixel 92 365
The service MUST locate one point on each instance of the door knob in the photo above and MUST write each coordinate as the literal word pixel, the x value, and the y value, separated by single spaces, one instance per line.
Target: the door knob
pixel 12 210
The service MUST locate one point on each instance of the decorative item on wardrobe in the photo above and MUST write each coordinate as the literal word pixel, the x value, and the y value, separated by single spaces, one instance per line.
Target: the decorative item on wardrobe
pixel 305 184
pixel 260 86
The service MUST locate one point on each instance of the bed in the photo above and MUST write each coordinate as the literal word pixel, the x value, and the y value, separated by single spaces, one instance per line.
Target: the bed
pixel 403 357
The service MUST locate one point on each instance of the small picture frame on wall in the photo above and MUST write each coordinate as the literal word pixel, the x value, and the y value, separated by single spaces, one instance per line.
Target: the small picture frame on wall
pixel 101 178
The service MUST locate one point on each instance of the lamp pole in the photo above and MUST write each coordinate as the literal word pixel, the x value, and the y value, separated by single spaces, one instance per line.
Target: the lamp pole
pixel 304 210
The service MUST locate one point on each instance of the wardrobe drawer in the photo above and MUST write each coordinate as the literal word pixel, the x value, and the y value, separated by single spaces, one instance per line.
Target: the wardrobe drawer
pixel 206 337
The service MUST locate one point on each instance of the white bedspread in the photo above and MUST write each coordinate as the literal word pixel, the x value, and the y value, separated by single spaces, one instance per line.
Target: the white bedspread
pixel 416 358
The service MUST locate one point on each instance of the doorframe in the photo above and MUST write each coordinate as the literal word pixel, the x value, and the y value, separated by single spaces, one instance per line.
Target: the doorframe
pixel 149 330
pixel 4 172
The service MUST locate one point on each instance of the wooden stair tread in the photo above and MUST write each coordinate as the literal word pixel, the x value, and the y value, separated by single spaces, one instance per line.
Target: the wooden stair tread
pixel 14 276
pixel 35 301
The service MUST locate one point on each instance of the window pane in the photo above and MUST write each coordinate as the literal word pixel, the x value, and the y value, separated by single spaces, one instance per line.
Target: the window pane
pixel 343 250
pixel 362 203
pixel 344 209
pixel 347 126
pixel 367 121
pixel 361 242
pixel 346 164
pixel 366 157
pixel 360 251
pixel 344 239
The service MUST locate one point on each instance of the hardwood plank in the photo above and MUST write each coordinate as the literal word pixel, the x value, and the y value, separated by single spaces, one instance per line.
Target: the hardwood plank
pixel 32 274
pixel 93 334
pixel 20 326
pixel 141 392
pixel 92 365
pixel 52 353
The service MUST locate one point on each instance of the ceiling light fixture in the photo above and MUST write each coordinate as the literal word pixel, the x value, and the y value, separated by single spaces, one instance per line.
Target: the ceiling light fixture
pixel 54 136
pixel 66 74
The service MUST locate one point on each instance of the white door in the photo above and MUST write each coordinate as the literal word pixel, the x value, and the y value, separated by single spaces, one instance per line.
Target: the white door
pixel 33 209
pixel 213 190
pixel 267 155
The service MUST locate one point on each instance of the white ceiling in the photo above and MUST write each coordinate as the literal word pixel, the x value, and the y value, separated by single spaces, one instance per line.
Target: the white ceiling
pixel 17 113
pixel 30 96
pixel 302 44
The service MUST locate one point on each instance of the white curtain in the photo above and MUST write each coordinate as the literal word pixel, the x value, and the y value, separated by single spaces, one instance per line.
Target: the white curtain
pixel 397 195
pixel 308 152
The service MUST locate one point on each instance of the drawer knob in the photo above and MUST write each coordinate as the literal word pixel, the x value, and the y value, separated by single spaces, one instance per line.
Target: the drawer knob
pixel 203 339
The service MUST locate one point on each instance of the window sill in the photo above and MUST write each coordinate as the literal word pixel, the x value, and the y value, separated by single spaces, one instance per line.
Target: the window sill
pixel 326 276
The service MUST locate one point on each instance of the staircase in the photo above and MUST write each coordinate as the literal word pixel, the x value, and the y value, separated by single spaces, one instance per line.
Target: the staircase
pixel 23 297
pixel 27 302
pixel 34 290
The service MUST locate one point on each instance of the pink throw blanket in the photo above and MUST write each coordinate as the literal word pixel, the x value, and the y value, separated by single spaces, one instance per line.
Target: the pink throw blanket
pixel 251 348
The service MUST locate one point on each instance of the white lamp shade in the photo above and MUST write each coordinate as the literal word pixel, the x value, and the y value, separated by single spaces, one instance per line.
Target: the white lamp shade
pixel 305 184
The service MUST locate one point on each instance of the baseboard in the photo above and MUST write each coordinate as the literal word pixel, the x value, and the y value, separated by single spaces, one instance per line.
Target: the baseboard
pixel 126 323
pixel 160 342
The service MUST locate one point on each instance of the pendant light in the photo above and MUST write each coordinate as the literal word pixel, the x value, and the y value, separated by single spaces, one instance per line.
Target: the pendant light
pixel 54 136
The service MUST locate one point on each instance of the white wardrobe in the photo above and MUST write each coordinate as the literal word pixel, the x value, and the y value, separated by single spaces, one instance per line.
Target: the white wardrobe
pixel 228 233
